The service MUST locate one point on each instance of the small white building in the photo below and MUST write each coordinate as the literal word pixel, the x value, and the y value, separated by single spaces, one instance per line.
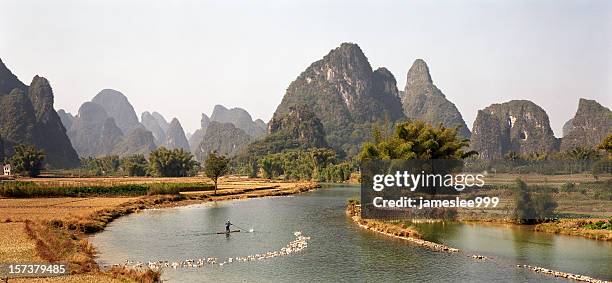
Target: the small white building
pixel 6 169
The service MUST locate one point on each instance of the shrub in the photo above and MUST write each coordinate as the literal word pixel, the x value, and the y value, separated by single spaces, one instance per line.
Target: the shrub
pixel 27 160
pixel 134 165
pixel 172 163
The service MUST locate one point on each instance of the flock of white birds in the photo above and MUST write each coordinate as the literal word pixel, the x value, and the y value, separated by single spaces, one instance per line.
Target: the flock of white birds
pixel 298 244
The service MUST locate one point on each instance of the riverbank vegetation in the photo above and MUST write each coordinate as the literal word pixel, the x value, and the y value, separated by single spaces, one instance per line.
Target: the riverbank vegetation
pixel 161 162
pixel 316 164
pixel 21 189
pixel 415 140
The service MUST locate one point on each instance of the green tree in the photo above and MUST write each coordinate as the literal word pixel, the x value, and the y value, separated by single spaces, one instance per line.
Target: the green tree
pixel 606 144
pixel 172 163
pixel 215 166
pixel 321 158
pixel 27 160
pixel 582 154
pixel 267 167
pixel 417 140
pixel 134 165
pixel 272 166
pixel 532 207
pixel 523 210
pixel 102 166
pixel 109 165
pixel 544 206
pixel 253 168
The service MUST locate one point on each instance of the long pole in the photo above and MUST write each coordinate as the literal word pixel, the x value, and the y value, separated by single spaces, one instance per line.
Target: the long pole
pixel 238 226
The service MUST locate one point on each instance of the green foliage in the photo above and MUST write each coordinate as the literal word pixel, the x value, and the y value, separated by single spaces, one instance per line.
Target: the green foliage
pixel 215 166
pixel 298 129
pixel 172 163
pixel 599 225
pixel 606 144
pixel 532 207
pixel 102 166
pixel 134 165
pixel 253 168
pixel 272 166
pixel 312 164
pixel 27 160
pixel 523 209
pixel 417 140
pixel 336 172
pixel 582 153
pixel 34 190
pixel 321 158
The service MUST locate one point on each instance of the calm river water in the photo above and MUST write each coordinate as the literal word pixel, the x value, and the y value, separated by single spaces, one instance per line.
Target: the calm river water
pixel 338 249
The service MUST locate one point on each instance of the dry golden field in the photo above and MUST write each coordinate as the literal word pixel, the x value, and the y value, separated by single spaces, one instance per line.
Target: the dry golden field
pixel 51 219
pixel 551 180
pixel 45 209
pixel 15 244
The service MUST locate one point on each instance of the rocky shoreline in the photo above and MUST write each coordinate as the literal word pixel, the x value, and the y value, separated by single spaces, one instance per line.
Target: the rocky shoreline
pixel 561 274
pixel 395 231
pixel 404 233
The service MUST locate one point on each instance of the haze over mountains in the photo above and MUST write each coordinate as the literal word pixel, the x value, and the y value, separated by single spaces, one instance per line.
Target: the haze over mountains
pixel 333 103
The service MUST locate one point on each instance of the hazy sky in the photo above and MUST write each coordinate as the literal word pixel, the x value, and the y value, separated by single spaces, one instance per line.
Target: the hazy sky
pixel 181 58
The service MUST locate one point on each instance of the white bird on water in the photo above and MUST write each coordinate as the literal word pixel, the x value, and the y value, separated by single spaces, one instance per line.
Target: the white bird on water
pixel 299 243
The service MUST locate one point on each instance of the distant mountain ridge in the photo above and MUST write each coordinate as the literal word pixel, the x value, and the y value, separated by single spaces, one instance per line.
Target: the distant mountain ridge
pixel 95 131
pixel 223 138
pixel 239 118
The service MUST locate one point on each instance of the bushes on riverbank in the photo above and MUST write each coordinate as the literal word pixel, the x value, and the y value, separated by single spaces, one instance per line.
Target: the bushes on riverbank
pixel 599 225
pixel 33 190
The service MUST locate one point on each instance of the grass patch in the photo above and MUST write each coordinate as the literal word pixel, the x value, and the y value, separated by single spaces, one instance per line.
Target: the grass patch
pixel 599 225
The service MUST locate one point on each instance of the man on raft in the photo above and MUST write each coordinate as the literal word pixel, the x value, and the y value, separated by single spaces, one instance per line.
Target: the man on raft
pixel 227 226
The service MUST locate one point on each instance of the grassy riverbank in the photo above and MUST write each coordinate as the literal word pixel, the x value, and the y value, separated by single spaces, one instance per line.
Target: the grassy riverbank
pixel 54 228
pixel 586 228
pixel 395 229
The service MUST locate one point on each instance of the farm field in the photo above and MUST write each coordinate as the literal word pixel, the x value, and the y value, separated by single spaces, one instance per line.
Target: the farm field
pixel 67 221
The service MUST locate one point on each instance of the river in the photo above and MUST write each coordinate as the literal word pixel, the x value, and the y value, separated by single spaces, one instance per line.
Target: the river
pixel 338 249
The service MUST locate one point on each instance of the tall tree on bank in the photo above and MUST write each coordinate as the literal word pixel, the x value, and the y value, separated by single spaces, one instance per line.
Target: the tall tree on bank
pixel 215 166
pixel 416 140
pixel 27 160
